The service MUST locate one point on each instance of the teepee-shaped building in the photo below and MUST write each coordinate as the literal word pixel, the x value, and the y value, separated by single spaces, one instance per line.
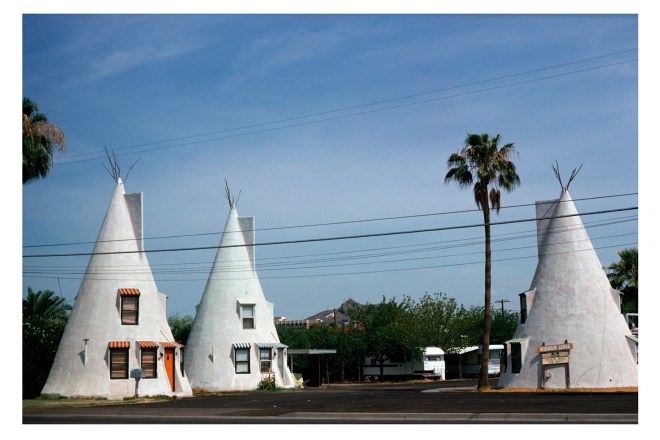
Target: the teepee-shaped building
pixel 571 332
pixel 233 344
pixel 117 332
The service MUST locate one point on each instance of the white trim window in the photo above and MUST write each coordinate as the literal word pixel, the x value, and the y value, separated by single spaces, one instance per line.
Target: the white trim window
pixel 266 359
pixel 242 360
pixel 247 316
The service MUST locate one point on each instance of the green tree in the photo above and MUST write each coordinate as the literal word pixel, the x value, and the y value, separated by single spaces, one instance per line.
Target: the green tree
pixel 436 319
pixel 470 324
pixel 623 277
pixel 503 326
pixel 350 353
pixel 40 139
pixel 486 166
pixel 293 337
pixel 44 319
pixel 386 330
pixel 46 305
pixel 180 326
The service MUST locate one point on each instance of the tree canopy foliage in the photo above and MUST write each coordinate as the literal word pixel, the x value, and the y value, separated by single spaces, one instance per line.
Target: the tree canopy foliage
pixel 180 326
pixel 392 329
pixel 44 319
pixel 623 277
pixel 40 139
pixel 385 330
pixel 45 304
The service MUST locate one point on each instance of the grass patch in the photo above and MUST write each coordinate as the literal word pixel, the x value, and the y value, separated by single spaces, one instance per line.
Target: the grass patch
pixel 77 402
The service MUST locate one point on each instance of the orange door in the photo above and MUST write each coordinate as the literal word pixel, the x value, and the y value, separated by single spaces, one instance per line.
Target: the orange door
pixel 169 365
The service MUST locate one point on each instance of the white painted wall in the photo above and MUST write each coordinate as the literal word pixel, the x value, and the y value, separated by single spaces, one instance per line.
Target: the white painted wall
pixel 95 317
pixel 573 301
pixel 218 326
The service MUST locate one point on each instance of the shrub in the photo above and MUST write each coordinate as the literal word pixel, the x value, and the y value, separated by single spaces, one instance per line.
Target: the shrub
pixel 267 383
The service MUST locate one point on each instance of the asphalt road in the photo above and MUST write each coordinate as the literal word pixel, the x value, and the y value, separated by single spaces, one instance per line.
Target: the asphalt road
pixel 439 402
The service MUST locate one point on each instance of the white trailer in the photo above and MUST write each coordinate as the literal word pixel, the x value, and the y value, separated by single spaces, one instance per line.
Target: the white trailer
pixel 467 361
pixel 431 365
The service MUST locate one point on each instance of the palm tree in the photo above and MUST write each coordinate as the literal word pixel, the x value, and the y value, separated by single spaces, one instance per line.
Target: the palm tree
pixel 481 162
pixel 623 277
pixel 40 138
pixel 46 305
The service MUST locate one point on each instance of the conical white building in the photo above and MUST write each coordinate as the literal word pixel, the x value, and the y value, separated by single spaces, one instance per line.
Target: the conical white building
pixel 118 330
pixel 233 344
pixel 571 332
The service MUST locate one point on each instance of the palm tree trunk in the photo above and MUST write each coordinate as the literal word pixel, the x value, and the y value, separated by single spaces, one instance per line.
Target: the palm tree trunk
pixel 483 375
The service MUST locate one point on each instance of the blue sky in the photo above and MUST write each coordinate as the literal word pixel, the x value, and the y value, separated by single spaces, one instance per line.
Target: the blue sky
pixel 320 119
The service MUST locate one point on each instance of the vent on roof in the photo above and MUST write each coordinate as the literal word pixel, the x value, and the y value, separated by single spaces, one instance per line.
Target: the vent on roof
pixel 575 172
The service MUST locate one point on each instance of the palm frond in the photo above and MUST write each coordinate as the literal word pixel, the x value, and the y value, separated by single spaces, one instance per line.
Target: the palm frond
pixel 495 199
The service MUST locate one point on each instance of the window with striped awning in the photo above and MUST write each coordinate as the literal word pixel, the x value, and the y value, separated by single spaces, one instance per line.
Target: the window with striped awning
pixel 119 359
pixel 130 305
pixel 148 359
pixel 242 357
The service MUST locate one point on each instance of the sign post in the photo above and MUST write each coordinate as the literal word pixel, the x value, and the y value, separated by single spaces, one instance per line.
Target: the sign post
pixel 555 354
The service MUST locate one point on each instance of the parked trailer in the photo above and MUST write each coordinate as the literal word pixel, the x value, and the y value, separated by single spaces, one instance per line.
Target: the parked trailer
pixel 467 362
pixel 431 365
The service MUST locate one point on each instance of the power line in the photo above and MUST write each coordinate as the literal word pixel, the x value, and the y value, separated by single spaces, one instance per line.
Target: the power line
pixel 344 255
pixel 385 270
pixel 323 239
pixel 336 223
pixel 383 101
pixel 360 113
pixel 229 268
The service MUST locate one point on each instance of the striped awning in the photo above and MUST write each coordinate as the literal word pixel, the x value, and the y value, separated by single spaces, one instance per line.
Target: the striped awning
pixel 241 345
pixel 270 345
pixel 147 344
pixel 119 344
pixel 129 291
pixel 168 344
pixel 515 341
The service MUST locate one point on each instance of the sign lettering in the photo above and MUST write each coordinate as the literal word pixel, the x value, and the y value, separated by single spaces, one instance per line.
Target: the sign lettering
pixel 555 347
pixel 555 354
pixel 554 360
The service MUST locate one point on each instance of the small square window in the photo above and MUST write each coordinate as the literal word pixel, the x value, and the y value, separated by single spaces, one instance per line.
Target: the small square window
pixel 247 316
pixel 242 360
pixel 119 363
pixel 148 363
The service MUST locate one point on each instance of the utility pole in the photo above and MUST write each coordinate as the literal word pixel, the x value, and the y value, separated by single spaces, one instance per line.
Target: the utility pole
pixel 502 301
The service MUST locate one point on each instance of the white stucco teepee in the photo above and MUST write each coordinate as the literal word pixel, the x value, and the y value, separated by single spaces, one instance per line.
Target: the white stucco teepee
pixel 118 330
pixel 233 344
pixel 572 309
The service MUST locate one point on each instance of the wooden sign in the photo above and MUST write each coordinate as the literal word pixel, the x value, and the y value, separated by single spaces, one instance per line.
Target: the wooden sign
pixel 554 357
pixel 554 347
pixel 555 354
